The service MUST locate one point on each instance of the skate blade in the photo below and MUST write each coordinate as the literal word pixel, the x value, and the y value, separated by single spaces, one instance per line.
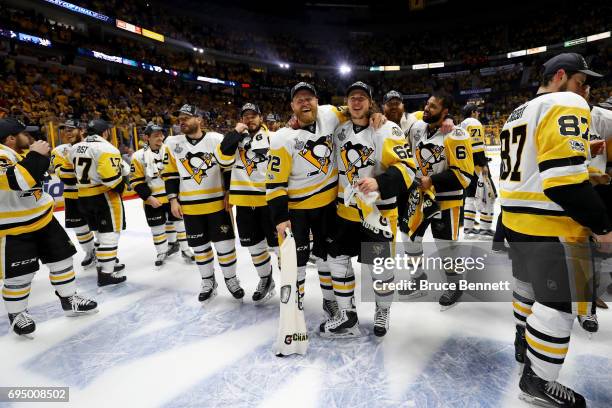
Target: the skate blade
pixel 415 295
pixel 110 288
pixel 349 334
pixel 207 301
pixel 521 368
pixel 91 265
pixel 263 300
pixel 70 313
pixel 530 399
pixel 29 336
pixel 445 308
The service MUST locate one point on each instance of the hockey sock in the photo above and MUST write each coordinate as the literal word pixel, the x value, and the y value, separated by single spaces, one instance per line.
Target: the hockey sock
pixel 181 235
pixel 204 259
pixel 469 212
pixel 343 280
pixel 548 336
pixel 382 293
pixel 171 232
pixel 85 238
pixel 106 253
pixel 226 255
pixel 61 275
pixel 522 301
pixel 486 220
pixel 412 249
pixel 325 278
pixel 301 280
pixel 15 293
pixel 261 258
pixel 159 239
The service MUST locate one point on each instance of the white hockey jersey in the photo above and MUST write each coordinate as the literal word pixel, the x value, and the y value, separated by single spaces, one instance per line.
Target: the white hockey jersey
pixel 248 183
pixel 438 153
pixel 365 152
pixel 601 129
pixel 476 131
pixel 97 165
pixel 302 172
pixel 146 167
pixel 198 171
pixel 544 145
pixel 60 163
pixel 24 206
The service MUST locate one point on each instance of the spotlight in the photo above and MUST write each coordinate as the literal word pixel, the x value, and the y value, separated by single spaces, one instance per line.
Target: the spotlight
pixel 344 69
pixel 201 50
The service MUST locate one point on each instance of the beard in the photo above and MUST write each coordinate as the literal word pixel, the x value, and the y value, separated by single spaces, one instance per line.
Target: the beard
pixel 306 117
pixel 253 127
pixel 189 129
pixel 394 115
pixel 432 118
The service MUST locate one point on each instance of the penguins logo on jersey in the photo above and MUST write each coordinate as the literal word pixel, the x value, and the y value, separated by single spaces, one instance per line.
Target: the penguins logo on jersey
pixel 249 158
pixel 427 155
pixel 197 164
pixel 318 153
pixel 355 157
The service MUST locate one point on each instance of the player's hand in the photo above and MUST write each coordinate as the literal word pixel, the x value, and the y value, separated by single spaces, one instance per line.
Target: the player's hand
pixel 426 182
pixel 241 127
pixel 176 209
pixel 367 185
pixel 40 147
pixel 485 170
pixel 226 202
pixel 280 229
pixel 153 202
pixel 293 123
pixel 447 126
pixel 604 242
pixel 597 147
pixel 377 120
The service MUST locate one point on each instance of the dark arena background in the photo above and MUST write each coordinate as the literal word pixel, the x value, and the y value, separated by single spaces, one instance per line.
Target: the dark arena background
pixel 130 69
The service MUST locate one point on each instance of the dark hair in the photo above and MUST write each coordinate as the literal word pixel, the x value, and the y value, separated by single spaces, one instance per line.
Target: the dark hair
pixel 547 78
pixel 445 99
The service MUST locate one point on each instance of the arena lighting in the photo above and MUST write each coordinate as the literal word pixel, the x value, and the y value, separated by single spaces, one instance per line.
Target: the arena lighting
pixel 599 36
pixel 514 54
pixel 32 39
pixel 81 10
pixel 436 65
pixel 344 69
pixel 201 50
pixel 536 50
pixel 283 65
pixel 577 41
pixel 420 66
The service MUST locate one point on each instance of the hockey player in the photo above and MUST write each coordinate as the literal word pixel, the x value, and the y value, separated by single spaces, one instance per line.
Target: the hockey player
pixel 549 209
pixel 72 133
pixel 444 163
pixel 99 171
pixel 375 162
pixel 301 183
pixel 245 151
pixel 145 177
pixel 29 232
pixel 195 188
pixel 474 128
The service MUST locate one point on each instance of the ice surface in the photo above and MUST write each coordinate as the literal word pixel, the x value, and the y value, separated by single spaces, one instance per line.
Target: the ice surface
pixel 154 345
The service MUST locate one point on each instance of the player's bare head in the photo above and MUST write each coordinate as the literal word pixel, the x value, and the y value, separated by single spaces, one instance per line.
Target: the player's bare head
pixel 437 107
pixel 250 115
pixel 190 119
pixel 393 107
pixel 470 111
pixel 359 100
pixel 567 72
pixel 304 103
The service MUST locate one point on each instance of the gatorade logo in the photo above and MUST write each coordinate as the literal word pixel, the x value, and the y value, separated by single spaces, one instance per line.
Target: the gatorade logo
pixel 290 338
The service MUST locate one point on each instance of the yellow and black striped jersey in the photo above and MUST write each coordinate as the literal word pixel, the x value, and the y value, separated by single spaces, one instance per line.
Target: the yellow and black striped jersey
pixel 302 172
pixel 24 206
pixel 476 131
pixel 60 163
pixel 197 169
pixel 544 145
pixel 601 129
pixel 97 165
pixel 248 182
pixel 446 158
pixel 365 152
pixel 145 170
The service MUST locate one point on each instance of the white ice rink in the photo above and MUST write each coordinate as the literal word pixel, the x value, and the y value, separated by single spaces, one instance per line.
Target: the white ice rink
pixel 153 345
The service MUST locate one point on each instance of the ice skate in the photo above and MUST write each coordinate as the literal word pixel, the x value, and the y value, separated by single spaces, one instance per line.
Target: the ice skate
pixel 345 325
pixel 109 279
pixel 470 233
pixel 551 394
pixel 486 234
pixel 589 323
pixel 233 285
pixel 89 260
pixel 77 305
pixel 22 324
pixel 173 248
pixel 449 299
pixel 331 309
pixel 265 290
pixel 381 320
pixel 160 259
pixel 408 294
pixel 188 256
pixel 208 290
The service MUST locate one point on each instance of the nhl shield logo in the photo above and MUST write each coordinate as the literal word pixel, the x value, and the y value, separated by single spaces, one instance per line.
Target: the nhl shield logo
pixel 285 293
